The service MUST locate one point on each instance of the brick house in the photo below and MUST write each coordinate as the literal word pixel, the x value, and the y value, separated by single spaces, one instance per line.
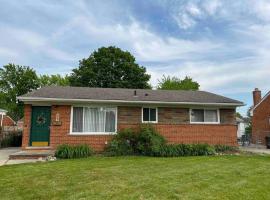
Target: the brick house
pixel 78 115
pixel 260 117
pixel 5 120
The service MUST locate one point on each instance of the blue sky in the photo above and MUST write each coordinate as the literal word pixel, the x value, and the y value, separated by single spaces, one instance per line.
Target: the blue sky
pixel 224 45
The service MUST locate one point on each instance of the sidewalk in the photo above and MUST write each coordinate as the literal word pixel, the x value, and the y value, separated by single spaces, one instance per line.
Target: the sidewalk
pixel 255 149
pixel 6 152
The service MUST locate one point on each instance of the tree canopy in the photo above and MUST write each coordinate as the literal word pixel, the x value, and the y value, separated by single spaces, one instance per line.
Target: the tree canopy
pixel 57 79
pixel 110 67
pixel 174 83
pixel 16 80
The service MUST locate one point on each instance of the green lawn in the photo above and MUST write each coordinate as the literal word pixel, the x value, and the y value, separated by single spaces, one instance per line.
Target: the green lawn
pixel 215 177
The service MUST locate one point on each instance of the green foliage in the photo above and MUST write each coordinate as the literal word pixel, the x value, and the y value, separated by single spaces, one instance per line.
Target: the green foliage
pixel 219 148
pixel 174 83
pixel 66 151
pixel 16 80
pixel 175 150
pixel 13 140
pixel 128 142
pixel 110 67
pixel 149 141
pixel 57 80
pixel 123 143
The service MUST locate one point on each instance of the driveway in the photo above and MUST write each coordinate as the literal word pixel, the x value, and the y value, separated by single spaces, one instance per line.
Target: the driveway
pixel 4 154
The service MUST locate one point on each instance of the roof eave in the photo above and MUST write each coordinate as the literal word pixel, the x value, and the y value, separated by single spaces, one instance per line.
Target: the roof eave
pixel 42 99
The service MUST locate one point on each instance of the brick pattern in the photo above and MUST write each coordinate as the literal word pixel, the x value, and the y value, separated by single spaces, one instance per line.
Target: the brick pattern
pixel 7 121
pixel 260 122
pixel 173 124
pixel 173 115
pixel 194 133
pixel 227 116
pixel 27 125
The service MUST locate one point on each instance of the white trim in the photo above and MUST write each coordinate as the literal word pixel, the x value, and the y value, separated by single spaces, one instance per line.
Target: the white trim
pixel 92 133
pixel 265 97
pixel 218 115
pixel 154 122
pixel 37 99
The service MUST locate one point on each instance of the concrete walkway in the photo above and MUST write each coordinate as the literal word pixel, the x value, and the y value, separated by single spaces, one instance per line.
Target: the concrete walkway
pixel 254 149
pixel 4 156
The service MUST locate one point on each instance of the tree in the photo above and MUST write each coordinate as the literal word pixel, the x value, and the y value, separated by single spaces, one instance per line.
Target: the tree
pixel 16 80
pixel 57 79
pixel 110 67
pixel 174 83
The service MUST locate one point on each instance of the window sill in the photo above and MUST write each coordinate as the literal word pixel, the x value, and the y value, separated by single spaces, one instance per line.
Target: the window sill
pixel 91 133
pixel 214 123
pixel 149 122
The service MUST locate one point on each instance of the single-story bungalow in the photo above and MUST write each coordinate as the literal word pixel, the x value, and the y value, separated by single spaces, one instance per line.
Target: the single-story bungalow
pixel 80 115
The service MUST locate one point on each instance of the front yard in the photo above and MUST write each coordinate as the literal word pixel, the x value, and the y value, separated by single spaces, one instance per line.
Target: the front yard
pixel 213 177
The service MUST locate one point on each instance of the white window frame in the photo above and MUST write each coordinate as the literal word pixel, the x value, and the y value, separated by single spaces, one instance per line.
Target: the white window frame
pixel 154 122
pixel 218 115
pixel 92 133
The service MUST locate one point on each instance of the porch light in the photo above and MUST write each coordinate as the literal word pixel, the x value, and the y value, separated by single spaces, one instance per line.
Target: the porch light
pixel 57 117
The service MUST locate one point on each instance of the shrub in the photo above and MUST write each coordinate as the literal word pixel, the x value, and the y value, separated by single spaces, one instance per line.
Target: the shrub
pixel 149 141
pixel 224 148
pixel 66 151
pixel 174 150
pixel 12 140
pixel 123 143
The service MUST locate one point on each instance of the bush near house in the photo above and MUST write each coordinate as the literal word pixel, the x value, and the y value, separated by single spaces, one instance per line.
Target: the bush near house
pixel 80 151
pixel 13 139
pixel 148 142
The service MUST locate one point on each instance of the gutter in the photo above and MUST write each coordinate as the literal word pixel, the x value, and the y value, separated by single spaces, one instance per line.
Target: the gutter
pixel 42 99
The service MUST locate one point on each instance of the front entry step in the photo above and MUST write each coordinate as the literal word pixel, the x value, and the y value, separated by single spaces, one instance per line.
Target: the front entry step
pixel 31 154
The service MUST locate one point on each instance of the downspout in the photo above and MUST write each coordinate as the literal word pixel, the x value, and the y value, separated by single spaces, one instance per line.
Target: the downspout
pixel 2 116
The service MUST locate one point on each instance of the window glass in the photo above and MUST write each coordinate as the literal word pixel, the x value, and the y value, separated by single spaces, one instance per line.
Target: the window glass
pixel 197 115
pixel 94 119
pixel 145 114
pixel 77 125
pixel 149 115
pixel 201 115
pixel 152 115
pixel 210 115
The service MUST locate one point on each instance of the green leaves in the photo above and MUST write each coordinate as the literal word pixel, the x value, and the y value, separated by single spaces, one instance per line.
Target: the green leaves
pixel 110 67
pixel 16 80
pixel 174 83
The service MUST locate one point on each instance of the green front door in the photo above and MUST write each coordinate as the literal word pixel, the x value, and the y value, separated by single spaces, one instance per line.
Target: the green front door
pixel 40 126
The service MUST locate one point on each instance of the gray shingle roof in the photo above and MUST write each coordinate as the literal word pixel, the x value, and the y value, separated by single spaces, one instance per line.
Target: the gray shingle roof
pixel 86 93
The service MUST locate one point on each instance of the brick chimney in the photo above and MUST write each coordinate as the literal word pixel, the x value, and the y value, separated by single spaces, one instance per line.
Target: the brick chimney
pixel 257 95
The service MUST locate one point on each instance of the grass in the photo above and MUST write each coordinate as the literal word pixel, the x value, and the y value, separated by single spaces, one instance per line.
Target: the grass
pixel 213 177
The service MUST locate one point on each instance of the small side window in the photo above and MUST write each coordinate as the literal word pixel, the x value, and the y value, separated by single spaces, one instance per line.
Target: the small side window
pixel 149 115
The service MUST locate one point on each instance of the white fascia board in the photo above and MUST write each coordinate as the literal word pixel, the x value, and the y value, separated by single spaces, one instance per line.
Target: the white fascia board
pixel 41 99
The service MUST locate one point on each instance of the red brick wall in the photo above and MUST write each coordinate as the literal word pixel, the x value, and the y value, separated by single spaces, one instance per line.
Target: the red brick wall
pixel 260 121
pixel 7 121
pixel 178 131
pixel 195 133
pixel 27 125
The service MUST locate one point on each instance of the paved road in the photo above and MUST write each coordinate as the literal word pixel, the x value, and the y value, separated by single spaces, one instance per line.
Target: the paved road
pixel 4 154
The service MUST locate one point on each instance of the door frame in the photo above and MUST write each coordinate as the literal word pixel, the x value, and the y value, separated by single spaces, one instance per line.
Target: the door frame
pixel 49 128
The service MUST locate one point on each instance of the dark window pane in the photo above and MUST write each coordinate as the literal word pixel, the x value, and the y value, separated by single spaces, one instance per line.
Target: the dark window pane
pixel 146 114
pixel 153 116
pixel 77 124
pixel 197 115
pixel 110 121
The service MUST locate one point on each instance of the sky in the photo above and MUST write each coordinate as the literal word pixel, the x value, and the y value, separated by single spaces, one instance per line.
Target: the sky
pixel 223 45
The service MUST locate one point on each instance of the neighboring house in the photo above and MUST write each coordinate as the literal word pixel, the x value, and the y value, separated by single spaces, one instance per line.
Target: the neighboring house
pixel 80 115
pixel 241 127
pixel 260 117
pixel 5 120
